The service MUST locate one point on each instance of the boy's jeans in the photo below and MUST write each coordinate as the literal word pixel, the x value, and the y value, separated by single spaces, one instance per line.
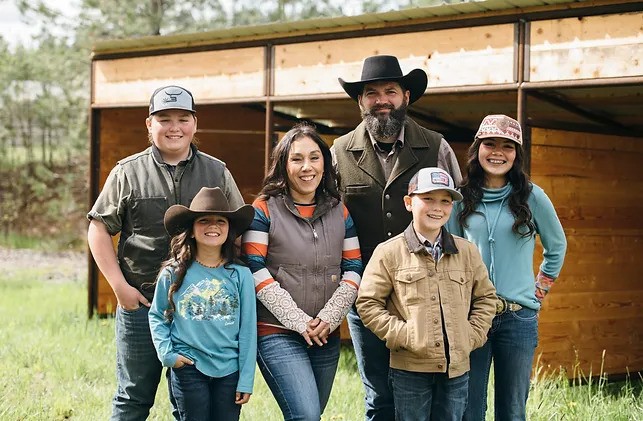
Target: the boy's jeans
pixel 429 396
pixel 511 343
pixel 138 369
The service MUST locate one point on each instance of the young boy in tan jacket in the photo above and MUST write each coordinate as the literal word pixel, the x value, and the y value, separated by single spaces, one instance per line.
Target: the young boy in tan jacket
pixel 428 295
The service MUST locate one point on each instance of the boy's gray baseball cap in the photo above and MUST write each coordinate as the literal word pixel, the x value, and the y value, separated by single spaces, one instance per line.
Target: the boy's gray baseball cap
pixel 171 97
pixel 432 178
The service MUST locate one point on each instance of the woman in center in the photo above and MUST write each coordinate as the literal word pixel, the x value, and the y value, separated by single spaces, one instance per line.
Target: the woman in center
pixel 303 251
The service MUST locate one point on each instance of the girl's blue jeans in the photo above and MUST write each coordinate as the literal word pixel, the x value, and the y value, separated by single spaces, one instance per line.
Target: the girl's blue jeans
pixel 511 345
pixel 203 398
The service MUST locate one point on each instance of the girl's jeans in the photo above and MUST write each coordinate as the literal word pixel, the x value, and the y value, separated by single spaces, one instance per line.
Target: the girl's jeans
pixel 511 344
pixel 203 398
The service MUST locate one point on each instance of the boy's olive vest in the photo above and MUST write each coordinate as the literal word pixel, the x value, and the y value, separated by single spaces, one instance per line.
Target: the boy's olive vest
pixel 144 242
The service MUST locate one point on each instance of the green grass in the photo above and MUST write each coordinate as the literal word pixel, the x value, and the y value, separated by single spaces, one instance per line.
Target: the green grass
pixel 17 155
pixel 59 365
pixel 17 241
pixel 68 242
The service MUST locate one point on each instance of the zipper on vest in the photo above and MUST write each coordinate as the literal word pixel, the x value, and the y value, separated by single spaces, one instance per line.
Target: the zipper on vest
pixel 315 238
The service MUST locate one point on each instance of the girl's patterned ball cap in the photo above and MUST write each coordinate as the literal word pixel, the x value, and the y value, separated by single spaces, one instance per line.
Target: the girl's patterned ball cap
pixel 499 125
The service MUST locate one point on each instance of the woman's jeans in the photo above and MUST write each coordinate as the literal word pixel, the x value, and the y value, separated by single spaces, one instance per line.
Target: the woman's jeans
pixel 300 377
pixel 511 344
pixel 428 396
pixel 138 369
pixel 203 398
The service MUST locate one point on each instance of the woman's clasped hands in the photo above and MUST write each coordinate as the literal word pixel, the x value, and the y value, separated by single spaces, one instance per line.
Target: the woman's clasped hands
pixel 317 332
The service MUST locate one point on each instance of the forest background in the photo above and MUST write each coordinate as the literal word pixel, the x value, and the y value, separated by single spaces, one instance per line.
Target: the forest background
pixel 44 96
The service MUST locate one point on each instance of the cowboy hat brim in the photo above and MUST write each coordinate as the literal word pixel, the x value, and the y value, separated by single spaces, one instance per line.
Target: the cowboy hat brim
pixel 178 218
pixel 415 81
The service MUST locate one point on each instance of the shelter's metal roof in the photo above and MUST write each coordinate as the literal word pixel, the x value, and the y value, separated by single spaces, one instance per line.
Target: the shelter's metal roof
pixel 280 30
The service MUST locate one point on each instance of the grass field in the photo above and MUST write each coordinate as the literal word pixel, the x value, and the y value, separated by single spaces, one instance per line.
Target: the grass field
pixel 59 365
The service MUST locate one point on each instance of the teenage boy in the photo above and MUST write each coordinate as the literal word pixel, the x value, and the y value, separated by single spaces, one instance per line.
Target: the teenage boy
pixel 136 194
pixel 427 294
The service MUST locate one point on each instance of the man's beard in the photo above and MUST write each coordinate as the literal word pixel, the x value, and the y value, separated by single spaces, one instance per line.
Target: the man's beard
pixel 384 128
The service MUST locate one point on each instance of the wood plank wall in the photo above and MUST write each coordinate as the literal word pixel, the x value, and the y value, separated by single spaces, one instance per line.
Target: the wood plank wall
pixel 586 47
pixel 209 75
pixel 596 183
pixel 232 133
pixel 450 57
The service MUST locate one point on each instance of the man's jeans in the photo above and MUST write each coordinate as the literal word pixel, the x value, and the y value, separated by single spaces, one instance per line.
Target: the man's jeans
pixel 373 359
pixel 429 396
pixel 203 398
pixel 513 338
pixel 138 369
pixel 300 377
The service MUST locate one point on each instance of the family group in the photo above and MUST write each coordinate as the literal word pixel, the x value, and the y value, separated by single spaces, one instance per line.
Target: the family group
pixel 432 267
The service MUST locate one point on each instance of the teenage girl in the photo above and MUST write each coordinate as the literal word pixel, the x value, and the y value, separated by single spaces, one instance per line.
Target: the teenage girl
pixel 502 212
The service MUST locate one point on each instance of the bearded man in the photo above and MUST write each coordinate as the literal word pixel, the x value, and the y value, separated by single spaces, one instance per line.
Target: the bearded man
pixel 376 162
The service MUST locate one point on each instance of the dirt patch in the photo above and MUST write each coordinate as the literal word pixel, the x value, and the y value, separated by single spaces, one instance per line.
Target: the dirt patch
pixel 67 266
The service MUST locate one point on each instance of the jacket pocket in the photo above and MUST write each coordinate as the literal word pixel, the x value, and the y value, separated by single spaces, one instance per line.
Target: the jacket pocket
pixel 460 287
pixel 147 216
pixel 357 189
pixel 332 278
pixel 410 287
pixel 292 279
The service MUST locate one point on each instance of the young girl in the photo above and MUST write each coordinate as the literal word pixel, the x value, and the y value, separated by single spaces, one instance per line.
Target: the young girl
pixel 203 316
pixel 502 212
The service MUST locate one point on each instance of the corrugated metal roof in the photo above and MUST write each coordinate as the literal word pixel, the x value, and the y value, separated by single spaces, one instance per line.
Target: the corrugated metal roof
pixel 302 27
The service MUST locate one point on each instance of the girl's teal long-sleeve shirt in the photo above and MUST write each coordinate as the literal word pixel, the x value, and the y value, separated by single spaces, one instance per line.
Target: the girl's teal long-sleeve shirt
pixel 509 258
pixel 215 322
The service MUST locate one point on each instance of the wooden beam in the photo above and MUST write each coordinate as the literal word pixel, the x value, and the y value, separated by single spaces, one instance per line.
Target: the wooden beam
pixel 560 101
pixel 279 34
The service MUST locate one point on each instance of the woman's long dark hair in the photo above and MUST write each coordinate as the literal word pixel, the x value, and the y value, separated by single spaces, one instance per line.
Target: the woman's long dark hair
pixel 473 183
pixel 183 253
pixel 276 182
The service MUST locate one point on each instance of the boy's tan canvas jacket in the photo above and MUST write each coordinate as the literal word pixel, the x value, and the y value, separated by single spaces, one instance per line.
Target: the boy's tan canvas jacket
pixel 404 295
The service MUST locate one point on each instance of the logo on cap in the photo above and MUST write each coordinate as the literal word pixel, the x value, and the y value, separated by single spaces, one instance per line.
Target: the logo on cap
pixel 440 179
pixel 171 96
pixel 502 123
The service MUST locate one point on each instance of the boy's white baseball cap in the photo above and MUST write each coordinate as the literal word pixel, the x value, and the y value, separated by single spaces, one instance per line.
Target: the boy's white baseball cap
pixel 432 178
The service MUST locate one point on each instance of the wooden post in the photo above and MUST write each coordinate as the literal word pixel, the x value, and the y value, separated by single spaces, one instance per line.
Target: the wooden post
pixel 268 88
pixel 522 74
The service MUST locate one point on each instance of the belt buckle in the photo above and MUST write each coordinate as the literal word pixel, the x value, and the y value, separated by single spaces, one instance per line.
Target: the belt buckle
pixel 514 307
pixel 501 306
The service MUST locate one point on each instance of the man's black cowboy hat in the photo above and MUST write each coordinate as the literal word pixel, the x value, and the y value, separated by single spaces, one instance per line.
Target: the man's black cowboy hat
pixel 382 68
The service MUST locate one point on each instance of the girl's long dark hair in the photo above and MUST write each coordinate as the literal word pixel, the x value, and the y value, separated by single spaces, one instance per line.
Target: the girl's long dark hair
pixel 183 253
pixel 276 182
pixel 473 183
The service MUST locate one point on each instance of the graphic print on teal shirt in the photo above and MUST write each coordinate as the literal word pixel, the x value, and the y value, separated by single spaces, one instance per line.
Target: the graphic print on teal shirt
pixel 209 299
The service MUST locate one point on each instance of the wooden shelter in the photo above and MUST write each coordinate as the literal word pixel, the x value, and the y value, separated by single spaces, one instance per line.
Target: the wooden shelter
pixel 571 71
